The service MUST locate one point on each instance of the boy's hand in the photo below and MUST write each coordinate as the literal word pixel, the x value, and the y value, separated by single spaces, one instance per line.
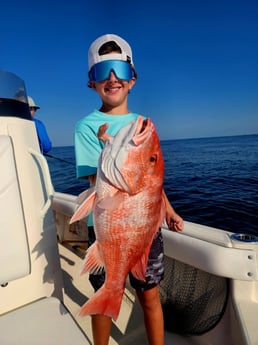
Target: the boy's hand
pixel 174 221
pixel 102 135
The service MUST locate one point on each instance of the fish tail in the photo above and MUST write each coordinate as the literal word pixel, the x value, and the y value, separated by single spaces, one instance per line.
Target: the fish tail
pixel 103 302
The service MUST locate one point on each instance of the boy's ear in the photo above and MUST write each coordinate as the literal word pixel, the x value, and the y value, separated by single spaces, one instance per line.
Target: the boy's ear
pixel 131 83
pixel 91 84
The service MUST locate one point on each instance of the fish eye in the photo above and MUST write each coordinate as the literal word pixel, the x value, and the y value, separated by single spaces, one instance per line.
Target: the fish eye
pixel 153 158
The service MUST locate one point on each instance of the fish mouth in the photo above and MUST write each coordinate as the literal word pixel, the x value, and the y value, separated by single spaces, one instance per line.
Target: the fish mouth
pixel 142 130
pixel 116 151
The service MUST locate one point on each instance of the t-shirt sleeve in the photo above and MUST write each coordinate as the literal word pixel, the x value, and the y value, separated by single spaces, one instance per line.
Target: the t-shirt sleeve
pixel 87 151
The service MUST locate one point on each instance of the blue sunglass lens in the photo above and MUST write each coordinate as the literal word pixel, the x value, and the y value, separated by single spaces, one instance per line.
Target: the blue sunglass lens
pixel 101 71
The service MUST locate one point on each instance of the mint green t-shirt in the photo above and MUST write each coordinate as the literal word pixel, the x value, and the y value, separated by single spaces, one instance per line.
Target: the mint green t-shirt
pixel 87 146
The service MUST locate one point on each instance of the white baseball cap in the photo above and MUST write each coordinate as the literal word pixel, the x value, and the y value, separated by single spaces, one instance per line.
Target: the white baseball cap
pixel 32 104
pixel 93 53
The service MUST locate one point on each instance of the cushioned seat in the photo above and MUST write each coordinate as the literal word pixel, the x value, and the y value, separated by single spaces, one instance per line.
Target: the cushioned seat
pixel 44 322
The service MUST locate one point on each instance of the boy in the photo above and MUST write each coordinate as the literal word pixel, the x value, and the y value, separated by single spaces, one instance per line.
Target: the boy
pixel 112 75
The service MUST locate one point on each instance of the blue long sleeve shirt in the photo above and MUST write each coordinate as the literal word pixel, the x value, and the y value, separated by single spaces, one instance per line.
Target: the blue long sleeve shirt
pixel 44 141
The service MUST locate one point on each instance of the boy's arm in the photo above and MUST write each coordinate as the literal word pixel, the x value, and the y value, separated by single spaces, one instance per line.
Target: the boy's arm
pixel 174 221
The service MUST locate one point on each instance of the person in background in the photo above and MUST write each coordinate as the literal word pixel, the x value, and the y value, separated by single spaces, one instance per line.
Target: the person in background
pixel 112 75
pixel 43 138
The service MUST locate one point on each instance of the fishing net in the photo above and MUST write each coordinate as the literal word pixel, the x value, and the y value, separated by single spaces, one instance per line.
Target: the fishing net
pixel 193 301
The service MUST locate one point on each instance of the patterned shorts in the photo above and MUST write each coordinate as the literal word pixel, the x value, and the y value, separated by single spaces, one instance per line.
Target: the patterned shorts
pixel 154 271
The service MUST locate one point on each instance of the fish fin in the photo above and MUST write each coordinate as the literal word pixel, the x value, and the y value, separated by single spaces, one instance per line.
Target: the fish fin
pixel 103 302
pixel 85 208
pixel 111 202
pixel 84 195
pixel 139 269
pixel 93 261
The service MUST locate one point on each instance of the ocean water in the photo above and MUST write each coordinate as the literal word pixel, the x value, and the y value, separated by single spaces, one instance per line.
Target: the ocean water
pixel 211 181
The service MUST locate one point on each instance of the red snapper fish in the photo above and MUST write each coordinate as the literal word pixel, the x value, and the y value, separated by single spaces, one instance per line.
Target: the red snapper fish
pixel 128 209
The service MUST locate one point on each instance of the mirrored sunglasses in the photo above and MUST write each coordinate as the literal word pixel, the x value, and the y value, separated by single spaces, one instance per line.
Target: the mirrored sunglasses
pixel 101 71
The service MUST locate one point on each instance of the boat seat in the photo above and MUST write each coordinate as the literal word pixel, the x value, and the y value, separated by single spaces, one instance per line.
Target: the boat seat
pixel 28 315
pixel 14 254
pixel 45 321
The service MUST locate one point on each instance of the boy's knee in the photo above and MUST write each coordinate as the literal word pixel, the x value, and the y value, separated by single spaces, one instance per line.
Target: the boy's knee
pixel 149 299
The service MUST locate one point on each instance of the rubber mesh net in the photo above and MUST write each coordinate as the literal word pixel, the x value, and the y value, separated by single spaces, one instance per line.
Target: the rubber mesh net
pixel 193 301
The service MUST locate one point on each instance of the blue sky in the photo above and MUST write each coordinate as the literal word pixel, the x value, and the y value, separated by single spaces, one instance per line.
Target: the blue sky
pixel 197 61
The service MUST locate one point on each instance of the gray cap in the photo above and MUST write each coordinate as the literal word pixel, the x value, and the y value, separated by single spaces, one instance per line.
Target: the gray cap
pixel 32 104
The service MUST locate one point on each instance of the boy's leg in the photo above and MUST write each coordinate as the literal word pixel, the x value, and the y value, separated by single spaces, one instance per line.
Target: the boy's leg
pixel 148 292
pixel 101 327
pixel 153 315
pixel 100 324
